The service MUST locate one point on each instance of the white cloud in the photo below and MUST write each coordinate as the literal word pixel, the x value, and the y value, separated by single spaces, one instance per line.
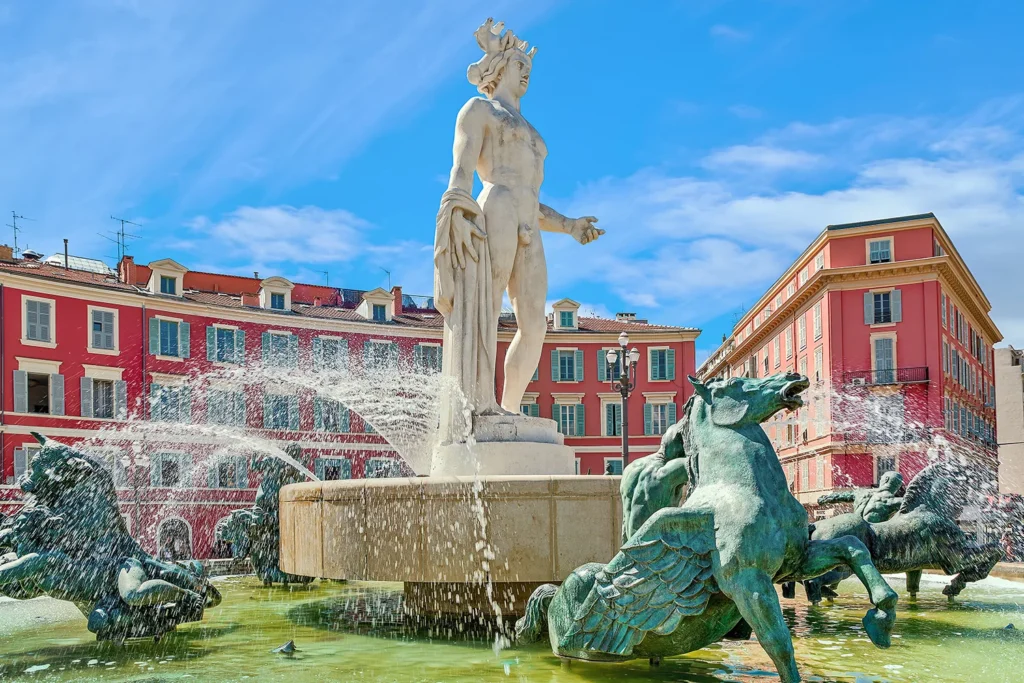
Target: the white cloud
pixel 726 32
pixel 745 111
pixel 760 157
pixel 690 247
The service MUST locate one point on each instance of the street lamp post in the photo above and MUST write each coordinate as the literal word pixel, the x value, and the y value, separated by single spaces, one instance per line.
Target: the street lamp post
pixel 625 383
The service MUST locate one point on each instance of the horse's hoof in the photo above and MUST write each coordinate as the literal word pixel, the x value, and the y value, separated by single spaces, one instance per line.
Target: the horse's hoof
pixel 655 661
pixel 878 625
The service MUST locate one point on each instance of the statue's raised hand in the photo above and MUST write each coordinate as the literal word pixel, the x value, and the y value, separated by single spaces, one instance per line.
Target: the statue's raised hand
pixel 584 230
pixel 464 231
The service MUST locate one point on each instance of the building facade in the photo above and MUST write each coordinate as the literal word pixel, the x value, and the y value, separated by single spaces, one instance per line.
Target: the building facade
pixel 163 371
pixel 1010 417
pixel 888 323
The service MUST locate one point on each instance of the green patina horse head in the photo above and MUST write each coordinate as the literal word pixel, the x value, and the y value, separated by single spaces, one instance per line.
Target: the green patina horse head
pixel 689 575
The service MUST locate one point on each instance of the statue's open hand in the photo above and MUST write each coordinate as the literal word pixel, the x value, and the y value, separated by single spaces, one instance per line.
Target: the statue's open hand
pixel 464 231
pixel 584 230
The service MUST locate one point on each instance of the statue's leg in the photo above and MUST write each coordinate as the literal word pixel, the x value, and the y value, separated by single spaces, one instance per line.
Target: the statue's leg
pixel 138 590
pixel 789 590
pixel 527 290
pixel 986 557
pixel 850 551
pixel 501 223
pixel 755 597
pixel 913 582
pixel 26 567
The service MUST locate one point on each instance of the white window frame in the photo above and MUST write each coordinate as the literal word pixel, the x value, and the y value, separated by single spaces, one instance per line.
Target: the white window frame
pixel 169 319
pixel 819 261
pixel 572 350
pixel 610 459
pixel 52 303
pixel 867 249
pixel 117 329
pixel 186 467
pixel 607 399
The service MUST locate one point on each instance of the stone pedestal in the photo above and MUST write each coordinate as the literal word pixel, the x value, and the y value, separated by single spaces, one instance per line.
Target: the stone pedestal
pixel 506 444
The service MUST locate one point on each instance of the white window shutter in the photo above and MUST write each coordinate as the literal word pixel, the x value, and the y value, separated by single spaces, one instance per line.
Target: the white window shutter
pixel 897 306
pixel 240 346
pixel 20 391
pixel 120 399
pixel 211 343
pixel 20 462
pixel 184 337
pixel 56 394
pixel 869 308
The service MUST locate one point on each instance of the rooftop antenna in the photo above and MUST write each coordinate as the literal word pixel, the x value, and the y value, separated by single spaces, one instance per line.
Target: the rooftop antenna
pixel 327 278
pixel 122 236
pixel 389 277
pixel 14 224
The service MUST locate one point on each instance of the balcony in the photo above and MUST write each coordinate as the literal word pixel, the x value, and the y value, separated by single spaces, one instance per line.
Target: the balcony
pixel 883 377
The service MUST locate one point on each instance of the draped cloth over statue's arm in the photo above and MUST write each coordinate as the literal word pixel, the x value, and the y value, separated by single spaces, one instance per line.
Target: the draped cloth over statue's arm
pixel 463 295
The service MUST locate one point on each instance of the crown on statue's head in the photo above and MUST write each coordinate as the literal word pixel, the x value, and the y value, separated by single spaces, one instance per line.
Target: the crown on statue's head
pixel 498 48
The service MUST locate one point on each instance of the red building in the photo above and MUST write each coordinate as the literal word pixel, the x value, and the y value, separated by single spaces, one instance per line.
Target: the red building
pixel 90 352
pixel 894 332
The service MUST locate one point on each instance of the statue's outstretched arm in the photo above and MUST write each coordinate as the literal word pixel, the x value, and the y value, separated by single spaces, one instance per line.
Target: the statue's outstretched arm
pixel 583 229
pixel 837 497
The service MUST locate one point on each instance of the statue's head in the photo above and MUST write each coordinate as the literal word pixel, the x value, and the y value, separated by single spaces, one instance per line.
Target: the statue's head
pixel 505 60
pixel 750 400
pixel 890 481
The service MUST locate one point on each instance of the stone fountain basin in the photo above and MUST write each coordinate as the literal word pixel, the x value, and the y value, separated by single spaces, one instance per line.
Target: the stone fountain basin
pixel 451 536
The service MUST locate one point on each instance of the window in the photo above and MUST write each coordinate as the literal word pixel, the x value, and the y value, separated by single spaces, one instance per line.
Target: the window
pixel 944 311
pixel 801 332
pixel 567 419
pixel 819 472
pixel 663 364
pixel 380 313
pixel 102 333
pixel 818 369
pixel 169 469
pixel 883 464
pixel 277 301
pixel 817 321
pixel 766 363
pixel 937 248
pixel 945 357
pixel 790 290
pixel 658 417
pixel 883 307
pixel 330 354
pixel 230 472
pixel 225 345
pixel 23 456
pixel 613 419
pixel 789 342
pixel 38 320
pixel 280 350
pixel 819 261
pixel 531 409
pixel 803 366
pixel 381 468
pixel 613 466
pixel 330 416
pixel 225 407
pixel 38 393
pixel 332 469
pixel 880 251
pixel 168 338
pixel 884 360
pixel 103 398
pixel 426 358
pixel 277 412
pixel 803 277
pixel 805 474
pixel 777 350
pixel 567 365
pixel 778 302
pixel 566 319
pixel 170 403
pixel 168 285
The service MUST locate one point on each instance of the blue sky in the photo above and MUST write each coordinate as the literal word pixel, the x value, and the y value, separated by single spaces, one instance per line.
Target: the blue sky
pixel 713 139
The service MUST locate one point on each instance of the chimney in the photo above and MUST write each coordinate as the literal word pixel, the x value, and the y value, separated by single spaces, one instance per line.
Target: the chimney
pixel 397 293
pixel 126 269
pixel 316 301
pixel 256 274
pixel 67 264
pixel 625 317
pixel 6 253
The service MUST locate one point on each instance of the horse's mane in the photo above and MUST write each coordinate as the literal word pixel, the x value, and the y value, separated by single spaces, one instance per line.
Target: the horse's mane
pixel 685 433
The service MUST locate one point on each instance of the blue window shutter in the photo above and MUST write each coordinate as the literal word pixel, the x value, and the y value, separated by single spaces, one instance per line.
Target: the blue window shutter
pixel 417 357
pixel 211 342
pixel 897 306
pixel 393 355
pixel 536 374
pixel 648 428
pixel 242 473
pixel 154 336
pixel 86 401
pixel 239 409
pixel 293 350
pixel 554 366
pixel 670 363
pixel 318 353
pixel 154 469
pixel 155 407
pixel 120 399
pixel 609 418
pixel 671 413
pixel 869 308
pixel 240 346
pixel 20 391
pixel 534 410
pixel 265 347
pixel 580 417
pixel 211 474
pixel 367 353
pixel 185 404
pixel 293 413
pixel 184 337
pixel 267 411
pixel 56 394
pixel 346 419
pixel 579 365
pixel 602 366
pixel 318 414
pixel 318 468
pixel 20 462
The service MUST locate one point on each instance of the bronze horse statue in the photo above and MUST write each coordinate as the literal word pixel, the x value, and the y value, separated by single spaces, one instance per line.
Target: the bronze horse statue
pixel 690 575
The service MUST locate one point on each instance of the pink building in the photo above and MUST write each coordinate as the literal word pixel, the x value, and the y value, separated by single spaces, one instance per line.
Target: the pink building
pixel 87 350
pixel 892 329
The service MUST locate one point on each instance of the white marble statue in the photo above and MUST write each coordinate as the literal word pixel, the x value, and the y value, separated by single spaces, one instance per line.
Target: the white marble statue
pixel 490 245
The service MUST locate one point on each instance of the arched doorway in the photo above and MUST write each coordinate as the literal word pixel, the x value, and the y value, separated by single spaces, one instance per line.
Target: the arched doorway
pixel 174 540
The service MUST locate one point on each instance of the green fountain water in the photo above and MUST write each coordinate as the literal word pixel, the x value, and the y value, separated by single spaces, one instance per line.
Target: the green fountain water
pixel 350 632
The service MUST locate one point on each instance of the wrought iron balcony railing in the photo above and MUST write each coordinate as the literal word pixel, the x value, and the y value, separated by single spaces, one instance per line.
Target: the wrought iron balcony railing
pixel 890 376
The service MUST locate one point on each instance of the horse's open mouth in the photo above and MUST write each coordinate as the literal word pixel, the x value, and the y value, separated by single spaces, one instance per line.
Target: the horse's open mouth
pixel 790 394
